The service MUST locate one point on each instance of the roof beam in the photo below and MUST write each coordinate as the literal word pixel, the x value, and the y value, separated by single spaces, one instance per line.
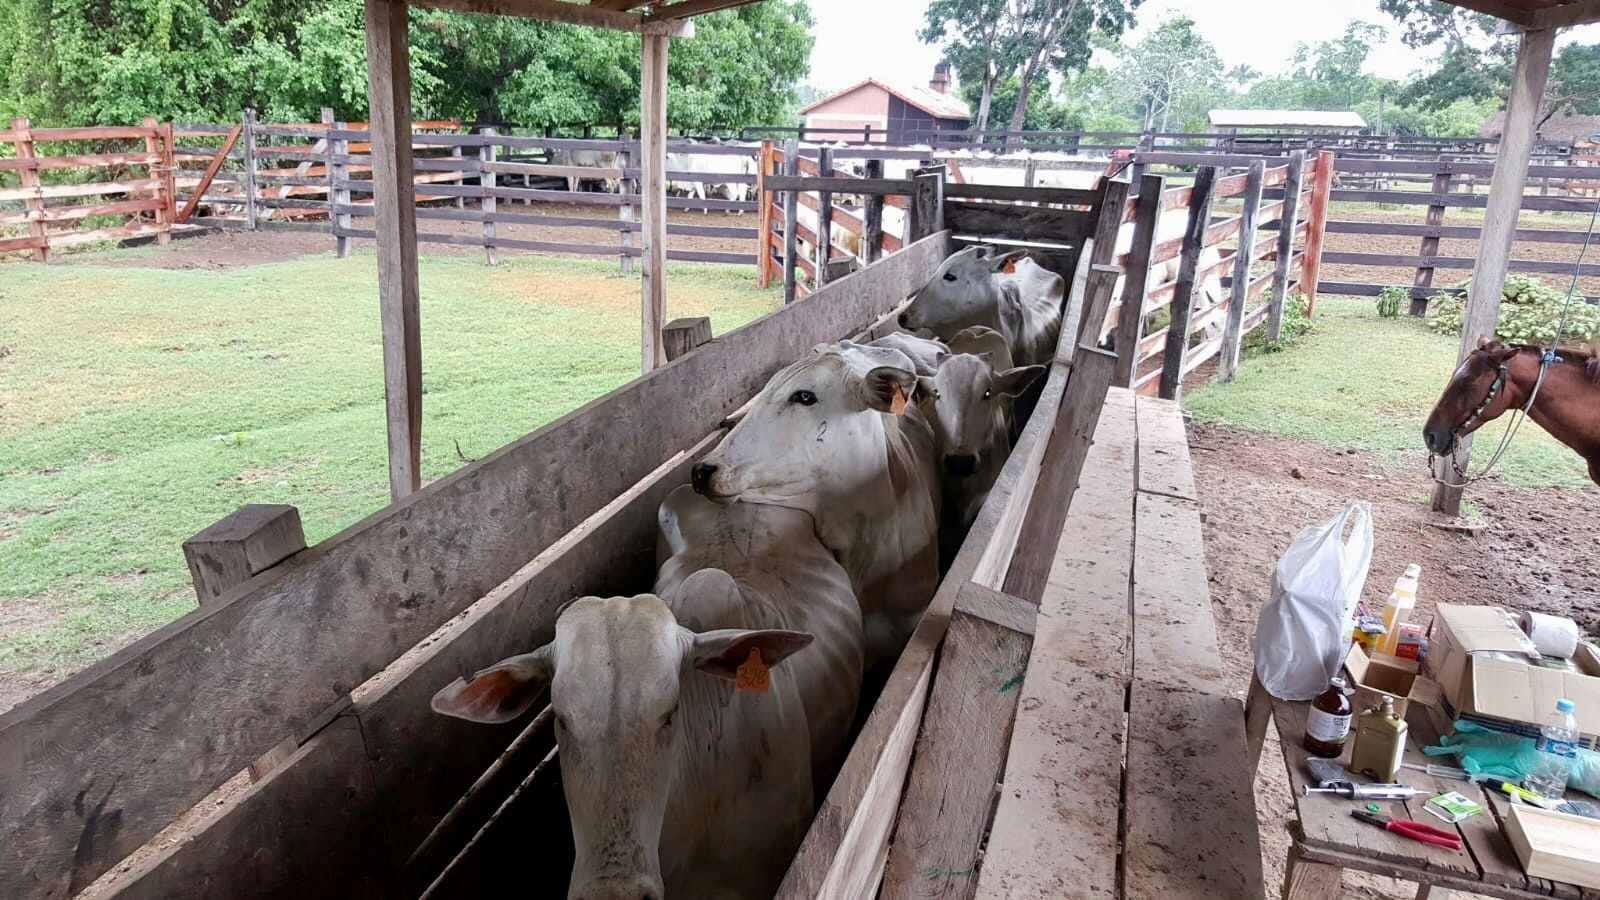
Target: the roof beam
pixel 687 8
pixel 1500 9
pixel 622 5
pixel 568 13
pixel 1580 13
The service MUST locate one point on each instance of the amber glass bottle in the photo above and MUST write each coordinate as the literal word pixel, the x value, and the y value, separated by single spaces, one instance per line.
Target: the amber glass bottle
pixel 1328 721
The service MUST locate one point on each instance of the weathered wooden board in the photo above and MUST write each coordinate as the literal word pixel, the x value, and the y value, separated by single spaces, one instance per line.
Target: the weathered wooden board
pixel 147 732
pixel 1175 633
pixel 1164 465
pixel 1190 805
pixel 243 543
pixel 1033 223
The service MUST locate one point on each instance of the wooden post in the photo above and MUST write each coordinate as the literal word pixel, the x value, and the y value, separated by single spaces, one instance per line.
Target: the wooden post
pixel 487 154
pixel 682 335
pixel 872 227
pixel 764 160
pixel 1286 228
pixel 1194 238
pixel 455 152
pixel 152 144
pixel 925 214
pixel 1030 171
pixel 1434 218
pixel 250 169
pixel 791 220
pixel 1102 251
pixel 626 212
pixel 395 223
pixel 30 179
pixel 1233 324
pixel 1136 284
pixel 240 545
pixel 338 192
pixel 653 195
pixel 169 176
pixel 1321 185
pixel 824 216
pixel 1499 230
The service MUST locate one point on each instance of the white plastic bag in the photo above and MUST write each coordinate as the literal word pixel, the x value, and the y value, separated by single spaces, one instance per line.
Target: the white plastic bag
pixel 1304 631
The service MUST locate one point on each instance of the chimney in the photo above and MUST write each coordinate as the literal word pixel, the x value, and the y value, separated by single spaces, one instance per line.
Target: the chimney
pixel 940 82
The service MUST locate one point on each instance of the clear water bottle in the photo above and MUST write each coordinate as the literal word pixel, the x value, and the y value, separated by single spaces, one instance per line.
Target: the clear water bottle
pixel 1558 752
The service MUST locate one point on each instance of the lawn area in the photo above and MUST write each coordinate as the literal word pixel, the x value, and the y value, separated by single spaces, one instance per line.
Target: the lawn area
pixel 1357 380
pixel 140 404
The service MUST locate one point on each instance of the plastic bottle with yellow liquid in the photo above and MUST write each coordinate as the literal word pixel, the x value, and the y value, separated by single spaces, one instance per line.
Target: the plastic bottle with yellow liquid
pixel 1401 601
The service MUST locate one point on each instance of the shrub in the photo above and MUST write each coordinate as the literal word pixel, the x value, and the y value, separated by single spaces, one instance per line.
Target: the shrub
pixel 1389 300
pixel 1295 325
pixel 1529 313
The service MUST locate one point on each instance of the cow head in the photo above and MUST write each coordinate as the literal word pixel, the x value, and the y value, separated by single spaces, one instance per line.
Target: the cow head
pixel 614 670
pixel 967 399
pixel 815 433
pixel 963 292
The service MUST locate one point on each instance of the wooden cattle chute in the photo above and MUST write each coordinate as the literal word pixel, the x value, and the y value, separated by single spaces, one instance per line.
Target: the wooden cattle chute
pixel 59 212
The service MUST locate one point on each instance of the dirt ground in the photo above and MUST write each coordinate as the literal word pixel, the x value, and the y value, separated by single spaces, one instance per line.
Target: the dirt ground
pixel 1258 490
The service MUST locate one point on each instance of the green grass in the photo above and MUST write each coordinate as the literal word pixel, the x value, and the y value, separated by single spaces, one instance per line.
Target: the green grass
pixel 1357 380
pixel 138 405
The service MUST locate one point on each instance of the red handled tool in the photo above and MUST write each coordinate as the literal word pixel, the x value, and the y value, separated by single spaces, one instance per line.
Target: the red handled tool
pixel 1417 831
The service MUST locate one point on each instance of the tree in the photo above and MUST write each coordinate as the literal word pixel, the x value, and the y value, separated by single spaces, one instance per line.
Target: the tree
pixel 971 31
pixel 1056 35
pixel 1170 67
pixel 1427 22
pixel 1575 81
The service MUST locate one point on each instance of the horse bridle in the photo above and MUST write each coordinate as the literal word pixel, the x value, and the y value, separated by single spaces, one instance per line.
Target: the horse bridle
pixel 1503 372
pixel 1495 388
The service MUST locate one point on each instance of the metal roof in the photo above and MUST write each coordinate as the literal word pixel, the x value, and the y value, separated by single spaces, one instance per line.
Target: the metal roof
pixel 1284 118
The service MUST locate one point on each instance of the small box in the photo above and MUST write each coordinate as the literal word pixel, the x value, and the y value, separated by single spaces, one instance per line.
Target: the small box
pixel 1377 676
pixel 1453 807
pixel 1555 845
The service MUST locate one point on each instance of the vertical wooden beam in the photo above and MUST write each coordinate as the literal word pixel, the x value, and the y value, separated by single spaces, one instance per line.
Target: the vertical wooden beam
pixel 241 545
pixel 653 195
pixel 1136 284
pixel 824 216
pixel 152 144
pixel 338 192
pixel 872 231
pixel 1194 238
pixel 249 120
pixel 1286 229
pixel 764 161
pixel 925 214
pixel 30 179
pixel 626 213
pixel 488 153
pixel 683 335
pixel 1321 185
pixel 395 222
pixel 1113 199
pixel 1499 229
pixel 169 175
pixel 1423 277
pixel 1030 171
pixel 791 220
pixel 1233 323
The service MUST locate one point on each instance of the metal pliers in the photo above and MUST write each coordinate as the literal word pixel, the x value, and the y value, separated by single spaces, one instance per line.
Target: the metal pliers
pixel 1417 831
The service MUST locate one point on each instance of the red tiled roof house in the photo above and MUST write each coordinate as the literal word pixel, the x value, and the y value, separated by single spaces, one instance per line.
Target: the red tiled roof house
pixel 875 110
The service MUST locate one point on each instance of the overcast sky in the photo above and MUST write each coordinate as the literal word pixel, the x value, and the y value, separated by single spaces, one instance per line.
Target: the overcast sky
pixel 858 38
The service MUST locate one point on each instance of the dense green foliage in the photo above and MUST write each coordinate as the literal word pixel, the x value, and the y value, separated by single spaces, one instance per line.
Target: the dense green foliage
pixel 76 62
pixel 1390 300
pixel 1529 313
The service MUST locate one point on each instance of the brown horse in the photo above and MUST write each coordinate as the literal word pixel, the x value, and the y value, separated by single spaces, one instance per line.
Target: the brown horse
pixel 1496 377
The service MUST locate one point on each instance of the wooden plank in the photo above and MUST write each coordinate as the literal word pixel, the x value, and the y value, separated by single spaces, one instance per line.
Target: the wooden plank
pixel 1233 325
pixel 212 168
pixel 653 196
pixel 1423 277
pixel 1317 218
pixel 1308 880
pixel 240 545
pixel 1453 262
pixel 1175 634
pixel 1190 807
pixel 51 191
pixel 1136 284
pixel 95 133
pixel 1183 297
pixel 92 160
pixel 1461 232
pixel 1042 223
pixel 29 176
pixel 838 184
pixel 791 222
pixel 1066 196
pixel 872 224
pixel 570 14
pixel 683 335
pixel 824 246
pixel 926 215
pixel 1287 225
pixel 764 171
pixel 1102 248
pixel 80 211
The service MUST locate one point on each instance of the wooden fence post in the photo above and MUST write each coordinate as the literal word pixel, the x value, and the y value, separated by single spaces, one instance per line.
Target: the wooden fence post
pixel 925 214
pixel 791 220
pixel 1434 218
pixel 1113 200
pixel 1287 225
pixel 338 190
pixel 152 144
pixel 764 160
pixel 1194 239
pixel 1136 284
pixel 683 335
pixel 626 213
pixel 872 227
pixel 1233 323
pixel 240 545
pixel 1321 186
pixel 487 154
pixel 824 248
pixel 250 169
pixel 30 179
pixel 169 174
pixel 1030 171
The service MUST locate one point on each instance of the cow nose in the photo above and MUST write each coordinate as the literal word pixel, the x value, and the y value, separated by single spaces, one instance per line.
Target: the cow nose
pixel 960 465
pixel 700 477
pixel 904 322
pixel 643 887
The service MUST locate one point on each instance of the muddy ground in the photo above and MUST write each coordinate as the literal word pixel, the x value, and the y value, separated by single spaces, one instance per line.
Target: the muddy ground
pixel 1258 490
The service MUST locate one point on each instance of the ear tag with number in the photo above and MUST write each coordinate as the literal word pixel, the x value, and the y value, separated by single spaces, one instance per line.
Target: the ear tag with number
pixel 753 674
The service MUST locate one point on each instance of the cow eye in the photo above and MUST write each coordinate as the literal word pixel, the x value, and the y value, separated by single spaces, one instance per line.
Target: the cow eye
pixel 987 394
pixel 804 398
pixel 949 276
pixel 936 394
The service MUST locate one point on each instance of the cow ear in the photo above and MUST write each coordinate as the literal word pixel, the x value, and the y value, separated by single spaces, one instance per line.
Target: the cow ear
pixel 999 263
pixel 987 357
pixel 1012 382
pixel 939 356
pixel 887 388
pixel 501 692
pixel 722 652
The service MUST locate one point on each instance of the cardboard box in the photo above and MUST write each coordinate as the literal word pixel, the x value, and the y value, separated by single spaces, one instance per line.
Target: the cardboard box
pixel 1377 676
pixel 1477 655
pixel 1555 845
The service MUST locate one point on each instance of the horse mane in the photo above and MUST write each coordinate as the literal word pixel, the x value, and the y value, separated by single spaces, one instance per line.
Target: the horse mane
pixel 1588 357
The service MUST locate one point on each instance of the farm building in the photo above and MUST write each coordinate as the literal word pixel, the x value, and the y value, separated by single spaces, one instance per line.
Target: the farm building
pixel 1234 120
pixel 893 113
pixel 1564 128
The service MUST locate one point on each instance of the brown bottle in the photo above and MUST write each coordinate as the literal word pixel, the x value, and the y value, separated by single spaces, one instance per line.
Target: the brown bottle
pixel 1328 721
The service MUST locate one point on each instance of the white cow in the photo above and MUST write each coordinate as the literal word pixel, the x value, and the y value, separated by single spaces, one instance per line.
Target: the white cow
pixel 972 287
pixel 923 352
pixel 711 164
pixel 674 779
pixel 835 434
pixel 602 159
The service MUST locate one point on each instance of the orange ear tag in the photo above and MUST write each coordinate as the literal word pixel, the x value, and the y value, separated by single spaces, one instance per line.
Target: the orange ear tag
pixel 753 674
pixel 1010 267
pixel 897 405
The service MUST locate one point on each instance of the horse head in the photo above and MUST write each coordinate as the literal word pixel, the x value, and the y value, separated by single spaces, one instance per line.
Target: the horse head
pixel 1480 390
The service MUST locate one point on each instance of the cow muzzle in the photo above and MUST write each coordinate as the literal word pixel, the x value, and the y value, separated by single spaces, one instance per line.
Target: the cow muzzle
pixel 960 465
pixel 700 476
pixel 640 887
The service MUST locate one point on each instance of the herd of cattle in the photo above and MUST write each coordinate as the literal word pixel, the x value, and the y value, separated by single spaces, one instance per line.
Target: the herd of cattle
pixel 699 724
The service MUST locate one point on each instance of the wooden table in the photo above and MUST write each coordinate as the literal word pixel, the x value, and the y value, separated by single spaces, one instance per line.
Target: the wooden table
pixel 1327 839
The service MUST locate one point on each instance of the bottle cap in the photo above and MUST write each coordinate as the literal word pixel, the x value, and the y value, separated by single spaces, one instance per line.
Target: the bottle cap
pixel 1413 571
pixel 1565 705
pixel 1338 682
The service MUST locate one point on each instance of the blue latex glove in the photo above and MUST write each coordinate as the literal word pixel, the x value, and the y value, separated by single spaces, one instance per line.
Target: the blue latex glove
pixel 1482 751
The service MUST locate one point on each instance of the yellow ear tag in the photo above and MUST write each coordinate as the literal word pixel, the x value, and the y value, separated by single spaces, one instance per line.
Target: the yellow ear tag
pixel 753 674
pixel 897 405
pixel 1011 267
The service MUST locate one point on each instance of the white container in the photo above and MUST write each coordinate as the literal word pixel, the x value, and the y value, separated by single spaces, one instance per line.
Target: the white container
pixel 1402 600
